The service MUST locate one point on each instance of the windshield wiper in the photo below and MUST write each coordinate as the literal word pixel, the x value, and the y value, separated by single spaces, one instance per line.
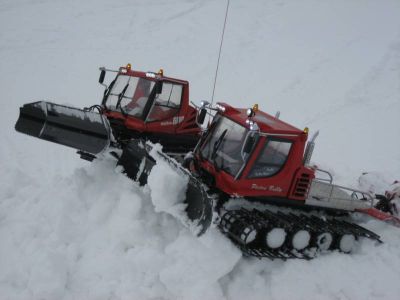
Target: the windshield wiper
pixel 120 96
pixel 107 92
pixel 203 139
pixel 217 144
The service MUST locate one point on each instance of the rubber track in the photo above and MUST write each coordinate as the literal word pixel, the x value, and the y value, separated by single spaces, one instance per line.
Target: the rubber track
pixel 239 225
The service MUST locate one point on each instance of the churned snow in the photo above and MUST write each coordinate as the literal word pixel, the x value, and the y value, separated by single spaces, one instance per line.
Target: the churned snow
pixel 167 187
pixel 70 229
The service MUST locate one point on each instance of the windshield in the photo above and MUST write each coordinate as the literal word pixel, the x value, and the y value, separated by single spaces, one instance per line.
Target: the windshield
pixel 136 92
pixel 224 144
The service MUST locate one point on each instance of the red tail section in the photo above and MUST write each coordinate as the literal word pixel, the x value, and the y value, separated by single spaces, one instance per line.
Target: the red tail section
pixel 382 216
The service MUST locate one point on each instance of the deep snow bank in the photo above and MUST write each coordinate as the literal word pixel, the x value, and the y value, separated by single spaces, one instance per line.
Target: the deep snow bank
pixel 95 234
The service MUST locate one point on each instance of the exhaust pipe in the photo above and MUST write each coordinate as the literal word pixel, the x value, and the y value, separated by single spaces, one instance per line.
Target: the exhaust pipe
pixel 309 149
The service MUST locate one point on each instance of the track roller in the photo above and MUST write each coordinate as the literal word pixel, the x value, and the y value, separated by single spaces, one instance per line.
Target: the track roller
pixel 280 235
pixel 275 238
pixel 324 241
pixel 300 239
pixel 346 242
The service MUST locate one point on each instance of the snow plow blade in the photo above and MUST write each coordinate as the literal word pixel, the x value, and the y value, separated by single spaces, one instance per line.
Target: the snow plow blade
pixel 199 206
pixel 138 163
pixel 83 130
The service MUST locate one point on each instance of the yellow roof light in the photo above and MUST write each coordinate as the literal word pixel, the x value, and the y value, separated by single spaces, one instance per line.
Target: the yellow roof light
pixel 128 67
pixel 255 107
pixel 306 130
pixel 161 72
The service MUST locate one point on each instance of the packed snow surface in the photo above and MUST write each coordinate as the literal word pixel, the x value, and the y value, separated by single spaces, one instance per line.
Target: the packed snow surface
pixel 70 229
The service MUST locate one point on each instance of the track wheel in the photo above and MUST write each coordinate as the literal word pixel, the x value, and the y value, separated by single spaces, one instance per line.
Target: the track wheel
pixel 300 239
pixel 346 242
pixel 275 237
pixel 324 241
pixel 248 235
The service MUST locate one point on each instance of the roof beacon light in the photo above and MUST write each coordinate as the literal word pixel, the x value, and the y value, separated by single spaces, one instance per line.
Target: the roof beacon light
pixel 128 67
pixel 255 108
pixel 161 72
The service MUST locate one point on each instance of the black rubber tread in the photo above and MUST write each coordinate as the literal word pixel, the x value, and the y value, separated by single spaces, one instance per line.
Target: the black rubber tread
pixel 235 225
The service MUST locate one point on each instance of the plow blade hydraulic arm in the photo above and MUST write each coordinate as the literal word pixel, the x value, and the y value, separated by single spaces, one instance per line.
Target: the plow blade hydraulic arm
pixel 83 130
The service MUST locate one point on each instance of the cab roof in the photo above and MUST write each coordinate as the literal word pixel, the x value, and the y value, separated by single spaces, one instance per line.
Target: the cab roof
pixel 266 122
pixel 150 75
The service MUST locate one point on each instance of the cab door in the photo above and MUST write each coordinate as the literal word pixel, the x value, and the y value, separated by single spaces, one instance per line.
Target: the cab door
pixel 163 118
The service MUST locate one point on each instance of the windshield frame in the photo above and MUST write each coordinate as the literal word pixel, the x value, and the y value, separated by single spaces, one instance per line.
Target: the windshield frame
pixel 150 96
pixel 211 139
pixel 262 154
pixel 155 104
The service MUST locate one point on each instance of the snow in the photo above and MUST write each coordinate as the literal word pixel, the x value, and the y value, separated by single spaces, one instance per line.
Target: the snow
pixel 301 239
pixel 347 243
pixel 276 237
pixel 70 229
pixel 168 187
pixel 93 117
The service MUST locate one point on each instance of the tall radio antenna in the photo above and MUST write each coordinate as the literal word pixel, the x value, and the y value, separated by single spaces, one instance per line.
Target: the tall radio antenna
pixel 220 48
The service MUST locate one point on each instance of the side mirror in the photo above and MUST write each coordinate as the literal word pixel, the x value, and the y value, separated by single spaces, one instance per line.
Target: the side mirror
pixel 102 75
pixel 159 87
pixel 201 116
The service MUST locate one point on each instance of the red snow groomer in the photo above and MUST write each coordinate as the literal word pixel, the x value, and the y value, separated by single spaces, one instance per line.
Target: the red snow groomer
pixel 135 104
pixel 249 172
pixel 252 170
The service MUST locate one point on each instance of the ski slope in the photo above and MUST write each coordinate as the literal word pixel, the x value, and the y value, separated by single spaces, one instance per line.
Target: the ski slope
pixel 70 229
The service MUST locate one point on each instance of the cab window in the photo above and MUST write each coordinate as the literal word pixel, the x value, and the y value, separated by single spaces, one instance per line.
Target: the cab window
pixel 167 104
pixel 271 159
pixel 228 137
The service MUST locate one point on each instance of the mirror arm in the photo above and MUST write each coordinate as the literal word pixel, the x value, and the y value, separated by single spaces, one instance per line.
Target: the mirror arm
pixel 242 153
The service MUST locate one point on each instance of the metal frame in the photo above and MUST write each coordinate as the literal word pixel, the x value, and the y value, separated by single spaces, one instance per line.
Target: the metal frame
pixel 355 195
pixel 330 180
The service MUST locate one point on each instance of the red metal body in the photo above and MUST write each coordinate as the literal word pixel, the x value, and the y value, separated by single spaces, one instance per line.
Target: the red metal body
pixel 292 182
pixel 182 123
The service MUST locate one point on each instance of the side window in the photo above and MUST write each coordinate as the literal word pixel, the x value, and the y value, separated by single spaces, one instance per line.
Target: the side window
pixel 272 159
pixel 166 104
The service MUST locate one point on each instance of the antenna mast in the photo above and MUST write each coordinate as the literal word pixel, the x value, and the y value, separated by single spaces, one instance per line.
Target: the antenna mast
pixel 220 48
